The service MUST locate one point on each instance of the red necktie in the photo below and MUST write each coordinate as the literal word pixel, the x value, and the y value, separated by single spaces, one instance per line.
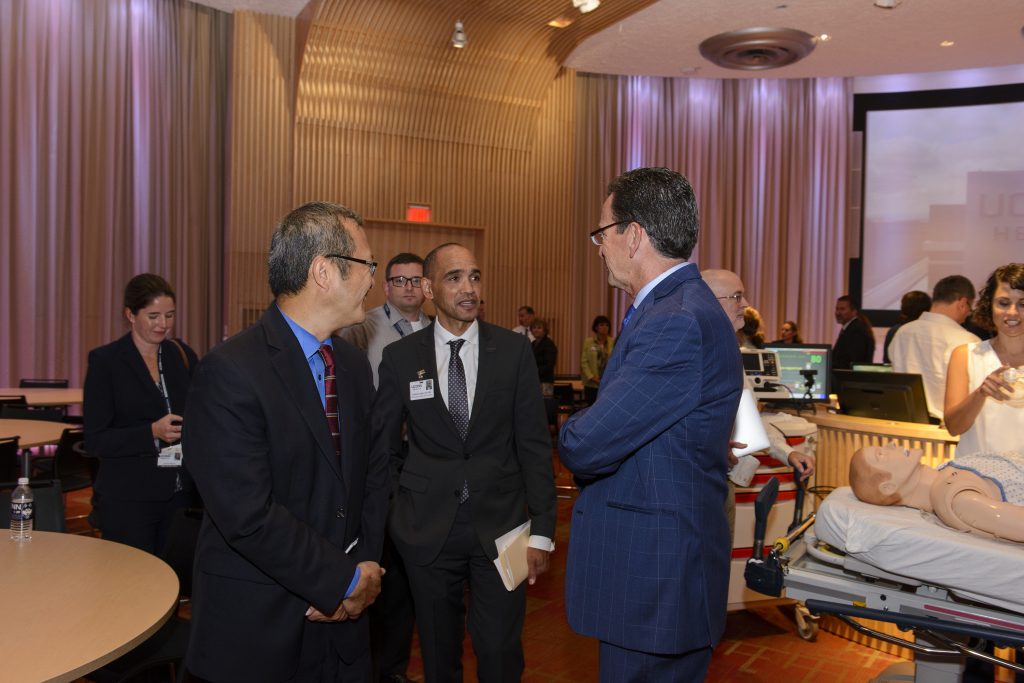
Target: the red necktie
pixel 331 396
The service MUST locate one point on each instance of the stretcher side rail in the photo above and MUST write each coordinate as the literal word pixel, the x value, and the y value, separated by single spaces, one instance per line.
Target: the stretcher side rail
pixel 934 629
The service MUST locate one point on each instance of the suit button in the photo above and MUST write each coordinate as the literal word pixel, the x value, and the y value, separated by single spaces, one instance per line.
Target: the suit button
pixel 339 513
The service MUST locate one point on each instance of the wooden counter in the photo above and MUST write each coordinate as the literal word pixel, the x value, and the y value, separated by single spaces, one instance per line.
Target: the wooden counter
pixel 75 603
pixel 840 435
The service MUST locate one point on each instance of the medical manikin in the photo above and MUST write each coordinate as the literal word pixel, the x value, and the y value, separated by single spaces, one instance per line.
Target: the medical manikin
pixel 981 493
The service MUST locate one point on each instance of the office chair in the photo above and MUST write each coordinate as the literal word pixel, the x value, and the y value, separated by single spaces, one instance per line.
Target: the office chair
pixel 10 461
pixel 43 384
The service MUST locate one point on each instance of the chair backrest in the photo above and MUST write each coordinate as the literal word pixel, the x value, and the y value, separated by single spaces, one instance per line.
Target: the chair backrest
pixel 43 384
pixel 565 396
pixel 71 465
pixel 23 412
pixel 48 505
pixel 12 400
pixel 10 461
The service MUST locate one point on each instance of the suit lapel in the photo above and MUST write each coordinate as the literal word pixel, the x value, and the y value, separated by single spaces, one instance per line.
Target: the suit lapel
pixel 661 290
pixel 133 359
pixel 346 406
pixel 292 369
pixel 485 370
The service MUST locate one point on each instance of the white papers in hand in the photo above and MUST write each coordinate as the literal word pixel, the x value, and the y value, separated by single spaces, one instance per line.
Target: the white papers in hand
pixel 747 427
pixel 511 562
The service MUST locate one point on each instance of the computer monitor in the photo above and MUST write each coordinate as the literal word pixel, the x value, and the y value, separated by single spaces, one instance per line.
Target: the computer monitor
pixel 800 362
pixel 884 395
pixel 872 367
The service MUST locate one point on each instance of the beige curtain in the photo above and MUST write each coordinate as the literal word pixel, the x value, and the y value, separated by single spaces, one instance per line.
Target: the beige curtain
pixel 111 163
pixel 769 162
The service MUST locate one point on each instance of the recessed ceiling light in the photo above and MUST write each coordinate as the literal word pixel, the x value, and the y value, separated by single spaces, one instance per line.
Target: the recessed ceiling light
pixel 459 36
pixel 560 22
pixel 887 4
pixel 947 43
pixel 824 37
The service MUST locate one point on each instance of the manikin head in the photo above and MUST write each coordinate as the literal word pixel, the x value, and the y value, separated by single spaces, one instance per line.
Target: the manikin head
pixel 877 473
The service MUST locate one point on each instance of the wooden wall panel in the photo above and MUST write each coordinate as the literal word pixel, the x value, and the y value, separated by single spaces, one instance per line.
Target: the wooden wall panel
pixel 260 157
pixel 365 103
pixel 388 238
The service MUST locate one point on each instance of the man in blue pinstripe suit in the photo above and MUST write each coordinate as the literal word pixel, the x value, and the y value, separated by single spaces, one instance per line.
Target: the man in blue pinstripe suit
pixel 649 549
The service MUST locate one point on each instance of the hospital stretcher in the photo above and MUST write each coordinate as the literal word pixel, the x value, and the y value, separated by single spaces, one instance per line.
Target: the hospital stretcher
pixel 954 591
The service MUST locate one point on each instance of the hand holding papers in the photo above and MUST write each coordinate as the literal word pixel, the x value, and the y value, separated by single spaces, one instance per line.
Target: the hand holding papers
pixel 747 429
pixel 511 562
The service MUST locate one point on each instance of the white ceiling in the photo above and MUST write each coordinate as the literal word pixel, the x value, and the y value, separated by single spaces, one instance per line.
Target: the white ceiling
pixel 663 39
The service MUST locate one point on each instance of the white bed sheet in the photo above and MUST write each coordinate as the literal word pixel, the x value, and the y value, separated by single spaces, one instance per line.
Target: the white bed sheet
pixel 915 544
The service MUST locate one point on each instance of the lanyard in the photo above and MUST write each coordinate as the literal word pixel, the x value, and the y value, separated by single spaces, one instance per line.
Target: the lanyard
pixel 397 325
pixel 163 384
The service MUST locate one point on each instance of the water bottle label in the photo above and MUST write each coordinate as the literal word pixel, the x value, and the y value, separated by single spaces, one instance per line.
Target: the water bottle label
pixel 21 512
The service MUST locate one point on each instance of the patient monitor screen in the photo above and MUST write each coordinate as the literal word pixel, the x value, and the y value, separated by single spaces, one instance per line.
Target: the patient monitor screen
pixel 795 360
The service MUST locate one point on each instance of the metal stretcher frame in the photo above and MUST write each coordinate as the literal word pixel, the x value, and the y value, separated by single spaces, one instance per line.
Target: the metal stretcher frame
pixel 832 583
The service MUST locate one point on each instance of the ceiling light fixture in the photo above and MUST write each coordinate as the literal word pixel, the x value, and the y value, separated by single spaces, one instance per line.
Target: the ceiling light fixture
pixel 459 36
pixel 585 6
pixel 887 4
pixel 947 43
pixel 757 48
pixel 560 22
pixel 824 38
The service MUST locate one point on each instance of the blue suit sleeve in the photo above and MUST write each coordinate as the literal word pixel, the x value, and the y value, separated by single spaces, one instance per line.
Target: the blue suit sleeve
pixel 656 385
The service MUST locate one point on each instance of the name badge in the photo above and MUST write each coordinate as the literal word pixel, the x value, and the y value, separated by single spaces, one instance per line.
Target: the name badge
pixel 170 456
pixel 420 390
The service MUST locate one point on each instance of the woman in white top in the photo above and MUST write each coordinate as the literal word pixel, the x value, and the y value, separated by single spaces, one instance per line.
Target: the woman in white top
pixel 982 406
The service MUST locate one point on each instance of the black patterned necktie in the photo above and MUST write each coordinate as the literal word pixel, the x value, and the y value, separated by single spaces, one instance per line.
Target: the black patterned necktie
pixel 331 397
pixel 458 400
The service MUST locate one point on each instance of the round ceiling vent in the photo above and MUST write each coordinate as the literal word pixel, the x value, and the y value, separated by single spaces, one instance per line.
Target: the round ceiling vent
pixel 757 49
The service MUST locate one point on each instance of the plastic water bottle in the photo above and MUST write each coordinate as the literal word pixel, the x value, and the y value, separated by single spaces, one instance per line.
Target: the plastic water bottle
pixel 22 504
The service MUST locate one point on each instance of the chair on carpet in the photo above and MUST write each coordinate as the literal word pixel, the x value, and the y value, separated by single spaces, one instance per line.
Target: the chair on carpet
pixel 43 384
pixel 166 649
pixel 9 400
pixel 10 461
pixel 26 412
pixel 69 464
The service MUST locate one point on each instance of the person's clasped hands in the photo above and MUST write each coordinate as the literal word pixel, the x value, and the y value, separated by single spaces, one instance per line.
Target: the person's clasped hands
pixel 366 591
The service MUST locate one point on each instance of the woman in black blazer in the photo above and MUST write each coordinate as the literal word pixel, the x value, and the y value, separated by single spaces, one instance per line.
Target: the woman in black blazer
pixel 135 391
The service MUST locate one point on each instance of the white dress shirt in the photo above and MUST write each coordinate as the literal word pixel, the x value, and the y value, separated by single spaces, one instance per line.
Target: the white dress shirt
pixel 470 355
pixel 923 347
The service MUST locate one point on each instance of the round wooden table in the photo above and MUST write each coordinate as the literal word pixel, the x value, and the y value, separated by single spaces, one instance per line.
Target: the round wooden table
pixel 75 603
pixel 45 397
pixel 33 433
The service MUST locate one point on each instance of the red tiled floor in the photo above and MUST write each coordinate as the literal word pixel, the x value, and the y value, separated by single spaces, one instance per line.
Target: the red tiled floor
pixel 759 645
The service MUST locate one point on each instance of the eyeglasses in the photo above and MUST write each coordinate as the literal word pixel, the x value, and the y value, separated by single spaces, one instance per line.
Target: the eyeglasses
pixel 402 281
pixel 597 236
pixel 736 298
pixel 372 265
